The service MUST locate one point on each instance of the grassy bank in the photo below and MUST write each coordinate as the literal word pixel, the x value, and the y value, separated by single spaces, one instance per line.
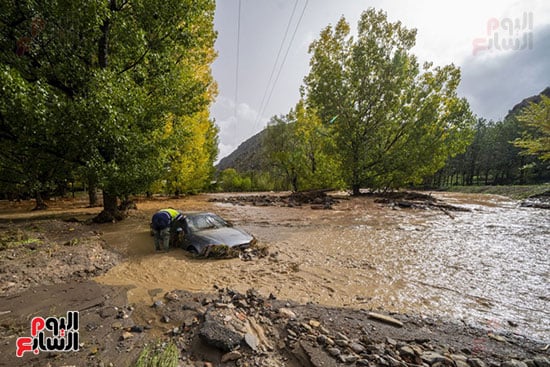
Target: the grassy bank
pixel 516 192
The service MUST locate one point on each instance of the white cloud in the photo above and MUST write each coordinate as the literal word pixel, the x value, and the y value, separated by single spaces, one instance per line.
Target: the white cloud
pixel 235 124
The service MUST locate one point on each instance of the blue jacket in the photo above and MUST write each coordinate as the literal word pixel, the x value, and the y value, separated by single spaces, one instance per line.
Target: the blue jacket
pixel 163 219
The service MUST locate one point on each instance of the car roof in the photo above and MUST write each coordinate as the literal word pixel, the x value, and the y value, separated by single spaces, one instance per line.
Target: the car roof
pixel 192 214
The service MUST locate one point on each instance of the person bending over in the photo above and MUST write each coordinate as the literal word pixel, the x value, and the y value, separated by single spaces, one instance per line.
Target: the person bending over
pixel 162 225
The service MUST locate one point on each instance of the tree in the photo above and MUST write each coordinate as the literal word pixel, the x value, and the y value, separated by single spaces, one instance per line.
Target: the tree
pixel 191 149
pixel 536 140
pixel 280 149
pixel 316 149
pixel 34 152
pixel 96 81
pixel 300 149
pixel 231 180
pixel 394 123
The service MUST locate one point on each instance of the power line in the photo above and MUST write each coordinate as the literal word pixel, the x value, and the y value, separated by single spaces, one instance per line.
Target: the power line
pixel 275 64
pixel 284 59
pixel 237 63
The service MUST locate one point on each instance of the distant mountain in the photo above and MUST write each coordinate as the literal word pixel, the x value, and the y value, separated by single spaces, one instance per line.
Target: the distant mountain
pixel 534 99
pixel 247 157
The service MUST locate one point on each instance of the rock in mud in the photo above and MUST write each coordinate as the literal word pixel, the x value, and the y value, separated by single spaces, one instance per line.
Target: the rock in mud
pixel 514 363
pixel 324 340
pixel 385 319
pixel 285 312
pixel 432 357
pixel 108 312
pixel 541 362
pixel 314 323
pixel 252 341
pixel 216 333
pixel 126 335
pixel 357 348
pixel 476 362
pixel 231 356
pixel 171 296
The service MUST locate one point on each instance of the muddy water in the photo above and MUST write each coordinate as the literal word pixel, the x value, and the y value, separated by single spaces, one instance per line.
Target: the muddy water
pixel 488 266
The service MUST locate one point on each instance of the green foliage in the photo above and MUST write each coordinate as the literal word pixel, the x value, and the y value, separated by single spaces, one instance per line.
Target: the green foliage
pixel 301 150
pixel 493 159
pixel 231 181
pixel 190 148
pixel 516 192
pixel 14 238
pixel 159 355
pixel 280 149
pixel 393 123
pixel 87 89
pixel 536 140
pixel 263 181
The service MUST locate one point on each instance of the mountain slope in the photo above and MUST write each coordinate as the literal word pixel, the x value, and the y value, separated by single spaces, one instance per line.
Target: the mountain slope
pixel 247 157
pixel 534 99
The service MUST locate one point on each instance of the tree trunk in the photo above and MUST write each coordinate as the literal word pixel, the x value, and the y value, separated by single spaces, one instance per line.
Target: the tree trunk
pixel 294 182
pixel 110 213
pixel 356 189
pixel 92 194
pixel 40 204
pixel 103 44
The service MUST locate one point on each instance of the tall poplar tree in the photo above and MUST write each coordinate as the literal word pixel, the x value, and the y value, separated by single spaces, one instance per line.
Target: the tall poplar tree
pixel 394 122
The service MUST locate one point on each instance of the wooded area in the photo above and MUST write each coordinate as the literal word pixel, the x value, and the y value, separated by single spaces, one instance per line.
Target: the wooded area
pixel 111 95
pixel 512 151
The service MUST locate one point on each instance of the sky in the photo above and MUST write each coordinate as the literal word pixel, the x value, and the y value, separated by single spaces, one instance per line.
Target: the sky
pixel 501 46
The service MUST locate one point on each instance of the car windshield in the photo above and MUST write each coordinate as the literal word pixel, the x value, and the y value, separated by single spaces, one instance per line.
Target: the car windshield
pixel 202 222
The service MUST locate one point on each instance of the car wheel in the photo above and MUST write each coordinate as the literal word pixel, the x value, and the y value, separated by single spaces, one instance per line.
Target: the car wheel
pixel 192 250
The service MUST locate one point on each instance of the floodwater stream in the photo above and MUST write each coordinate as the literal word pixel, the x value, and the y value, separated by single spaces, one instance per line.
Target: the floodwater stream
pixel 488 267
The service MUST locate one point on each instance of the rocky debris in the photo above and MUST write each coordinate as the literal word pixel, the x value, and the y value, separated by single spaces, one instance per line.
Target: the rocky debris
pixel 231 356
pixel 415 200
pixel 316 199
pixel 229 328
pixel 250 330
pixel 254 252
pixel 540 201
pixel 218 333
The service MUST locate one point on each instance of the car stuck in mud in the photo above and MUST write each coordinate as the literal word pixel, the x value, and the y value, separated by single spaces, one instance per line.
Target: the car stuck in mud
pixel 203 232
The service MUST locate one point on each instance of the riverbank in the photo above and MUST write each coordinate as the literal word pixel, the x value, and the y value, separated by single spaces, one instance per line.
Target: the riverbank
pixel 516 192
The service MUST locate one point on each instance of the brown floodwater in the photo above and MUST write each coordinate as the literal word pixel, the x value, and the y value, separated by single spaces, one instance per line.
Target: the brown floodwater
pixel 487 267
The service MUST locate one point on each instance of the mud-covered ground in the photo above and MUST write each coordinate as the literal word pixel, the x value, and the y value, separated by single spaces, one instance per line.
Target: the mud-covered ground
pixel 49 260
